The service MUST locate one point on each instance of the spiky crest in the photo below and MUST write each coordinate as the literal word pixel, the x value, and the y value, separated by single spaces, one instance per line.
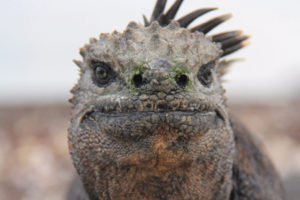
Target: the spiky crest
pixel 230 41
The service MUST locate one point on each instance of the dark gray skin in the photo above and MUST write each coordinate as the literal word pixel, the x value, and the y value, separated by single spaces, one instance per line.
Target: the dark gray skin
pixel 150 120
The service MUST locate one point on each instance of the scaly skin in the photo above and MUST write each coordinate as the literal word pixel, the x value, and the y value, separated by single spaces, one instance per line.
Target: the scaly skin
pixel 150 122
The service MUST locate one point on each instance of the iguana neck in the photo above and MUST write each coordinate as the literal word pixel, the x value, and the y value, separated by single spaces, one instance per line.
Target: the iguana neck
pixel 197 180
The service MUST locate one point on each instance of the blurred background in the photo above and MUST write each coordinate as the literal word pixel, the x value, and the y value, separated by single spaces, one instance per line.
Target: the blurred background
pixel 39 39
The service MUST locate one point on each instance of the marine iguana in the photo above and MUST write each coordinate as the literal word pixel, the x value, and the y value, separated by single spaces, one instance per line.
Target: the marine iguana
pixel 150 119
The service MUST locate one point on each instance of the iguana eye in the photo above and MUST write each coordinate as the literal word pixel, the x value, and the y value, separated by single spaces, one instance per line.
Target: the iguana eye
pixel 103 73
pixel 205 75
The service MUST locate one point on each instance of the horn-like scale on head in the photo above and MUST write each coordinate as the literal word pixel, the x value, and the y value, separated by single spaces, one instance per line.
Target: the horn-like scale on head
pixel 138 43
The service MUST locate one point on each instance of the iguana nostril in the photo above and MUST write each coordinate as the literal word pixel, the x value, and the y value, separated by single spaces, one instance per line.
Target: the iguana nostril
pixel 182 80
pixel 137 80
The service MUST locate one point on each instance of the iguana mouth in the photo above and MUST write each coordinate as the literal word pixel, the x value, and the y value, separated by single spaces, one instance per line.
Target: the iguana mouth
pixel 132 123
pixel 116 105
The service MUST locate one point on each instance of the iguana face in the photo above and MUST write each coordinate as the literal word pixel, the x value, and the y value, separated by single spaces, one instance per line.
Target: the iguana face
pixel 148 104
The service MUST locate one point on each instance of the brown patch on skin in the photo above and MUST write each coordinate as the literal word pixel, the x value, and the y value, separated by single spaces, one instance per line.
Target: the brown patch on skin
pixel 163 138
pixel 162 154
pixel 166 157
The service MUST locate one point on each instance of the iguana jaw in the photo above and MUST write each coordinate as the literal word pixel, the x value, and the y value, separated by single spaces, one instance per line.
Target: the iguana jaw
pixel 156 155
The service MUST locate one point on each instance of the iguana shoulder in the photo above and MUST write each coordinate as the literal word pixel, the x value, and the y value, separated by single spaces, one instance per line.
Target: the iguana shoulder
pixel 254 176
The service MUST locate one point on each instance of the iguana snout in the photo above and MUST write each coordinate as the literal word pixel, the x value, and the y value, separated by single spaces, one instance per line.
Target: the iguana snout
pixel 160 75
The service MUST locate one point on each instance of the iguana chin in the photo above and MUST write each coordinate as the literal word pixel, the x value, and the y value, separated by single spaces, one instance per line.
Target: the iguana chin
pixel 150 119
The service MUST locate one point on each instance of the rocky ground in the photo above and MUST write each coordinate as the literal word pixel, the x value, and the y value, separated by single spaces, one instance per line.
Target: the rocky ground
pixel 35 164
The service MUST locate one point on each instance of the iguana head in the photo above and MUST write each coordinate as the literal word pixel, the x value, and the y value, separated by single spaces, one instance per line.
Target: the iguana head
pixel 149 103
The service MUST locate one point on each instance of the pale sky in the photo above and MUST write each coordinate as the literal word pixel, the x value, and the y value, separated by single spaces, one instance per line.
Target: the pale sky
pixel 39 39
